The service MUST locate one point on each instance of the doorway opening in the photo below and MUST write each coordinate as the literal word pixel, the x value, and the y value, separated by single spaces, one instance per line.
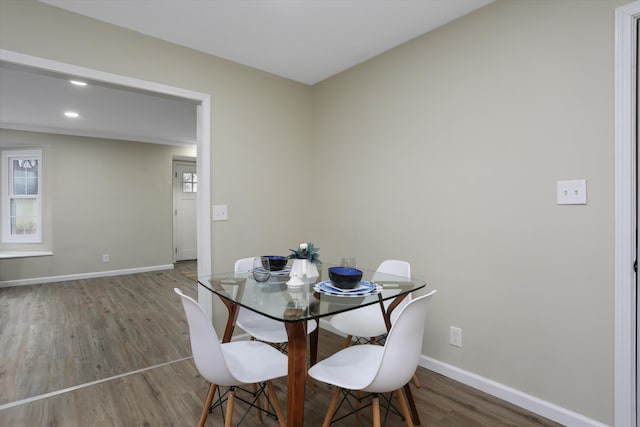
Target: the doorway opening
pixel 203 141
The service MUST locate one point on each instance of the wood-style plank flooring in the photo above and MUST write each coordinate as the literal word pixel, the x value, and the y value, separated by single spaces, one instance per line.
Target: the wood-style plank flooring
pixel 115 351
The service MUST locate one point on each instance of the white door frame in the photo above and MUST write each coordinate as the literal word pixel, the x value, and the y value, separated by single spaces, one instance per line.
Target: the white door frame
pixel 626 405
pixel 203 142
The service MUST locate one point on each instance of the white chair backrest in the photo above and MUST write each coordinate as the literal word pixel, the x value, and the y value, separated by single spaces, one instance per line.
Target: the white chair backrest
pixel 403 347
pixel 205 346
pixel 396 268
pixel 243 265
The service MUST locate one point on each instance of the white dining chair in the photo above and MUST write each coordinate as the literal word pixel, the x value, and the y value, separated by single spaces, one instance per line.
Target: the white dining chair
pixel 231 364
pixel 368 322
pixel 260 327
pixel 378 369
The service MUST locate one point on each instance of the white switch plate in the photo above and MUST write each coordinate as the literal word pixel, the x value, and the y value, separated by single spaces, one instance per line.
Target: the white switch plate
pixel 572 192
pixel 220 213
pixel 455 336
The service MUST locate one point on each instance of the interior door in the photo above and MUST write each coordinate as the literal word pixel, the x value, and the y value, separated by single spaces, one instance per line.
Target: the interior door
pixel 185 189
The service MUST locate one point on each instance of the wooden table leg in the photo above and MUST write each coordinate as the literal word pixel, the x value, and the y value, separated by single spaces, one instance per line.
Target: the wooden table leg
pixel 297 349
pixel 415 417
pixel 407 390
pixel 231 319
pixel 313 344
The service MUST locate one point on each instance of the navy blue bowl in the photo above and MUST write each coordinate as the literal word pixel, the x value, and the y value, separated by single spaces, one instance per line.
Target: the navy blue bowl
pixel 345 277
pixel 274 262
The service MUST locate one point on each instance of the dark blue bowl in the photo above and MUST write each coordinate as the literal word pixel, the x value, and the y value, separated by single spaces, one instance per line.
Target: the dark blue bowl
pixel 345 277
pixel 274 262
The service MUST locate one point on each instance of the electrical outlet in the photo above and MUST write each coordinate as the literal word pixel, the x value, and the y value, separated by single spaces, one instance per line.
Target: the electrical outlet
pixel 105 258
pixel 455 336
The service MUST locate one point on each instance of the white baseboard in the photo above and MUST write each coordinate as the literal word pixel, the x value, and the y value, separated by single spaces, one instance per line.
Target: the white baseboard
pixel 501 391
pixel 511 395
pixel 52 279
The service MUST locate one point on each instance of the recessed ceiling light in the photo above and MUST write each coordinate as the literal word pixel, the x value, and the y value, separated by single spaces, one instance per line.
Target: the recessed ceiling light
pixel 71 114
pixel 77 83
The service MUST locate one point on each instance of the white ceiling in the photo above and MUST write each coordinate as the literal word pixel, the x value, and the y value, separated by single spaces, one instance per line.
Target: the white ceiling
pixel 35 100
pixel 302 40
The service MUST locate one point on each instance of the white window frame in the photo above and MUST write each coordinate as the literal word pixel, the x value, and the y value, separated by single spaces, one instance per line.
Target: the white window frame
pixel 7 157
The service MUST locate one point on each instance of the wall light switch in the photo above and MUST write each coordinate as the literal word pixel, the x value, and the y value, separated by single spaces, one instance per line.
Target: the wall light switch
pixel 220 213
pixel 572 192
pixel 455 336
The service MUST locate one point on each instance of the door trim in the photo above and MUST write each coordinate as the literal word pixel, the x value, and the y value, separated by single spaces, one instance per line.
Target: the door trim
pixel 625 374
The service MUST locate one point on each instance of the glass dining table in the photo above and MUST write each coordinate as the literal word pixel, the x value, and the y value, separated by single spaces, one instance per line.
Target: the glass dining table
pixel 295 306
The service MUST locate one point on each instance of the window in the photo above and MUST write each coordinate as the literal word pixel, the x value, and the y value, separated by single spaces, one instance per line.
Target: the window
pixel 22 196
pixel 189 182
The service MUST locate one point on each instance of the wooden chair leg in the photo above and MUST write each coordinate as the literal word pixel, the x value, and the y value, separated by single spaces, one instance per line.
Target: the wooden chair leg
pixel 375 405
pixel 332 408
pixel 416 381
pixel 358 405
pixel 207 405
pixel 404 408
pixel 276 404
pixel 228 422
pixel 348 342
pixel 254 387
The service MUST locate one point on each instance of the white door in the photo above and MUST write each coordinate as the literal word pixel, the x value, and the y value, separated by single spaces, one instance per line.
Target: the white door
pixel 185 188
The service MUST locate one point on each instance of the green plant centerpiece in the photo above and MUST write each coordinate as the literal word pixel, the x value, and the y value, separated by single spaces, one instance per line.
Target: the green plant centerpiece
pixel 306 251
pixel 303 270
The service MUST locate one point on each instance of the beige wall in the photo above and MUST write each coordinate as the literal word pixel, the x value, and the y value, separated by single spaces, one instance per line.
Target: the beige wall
pixel 446 152
pixel 102 197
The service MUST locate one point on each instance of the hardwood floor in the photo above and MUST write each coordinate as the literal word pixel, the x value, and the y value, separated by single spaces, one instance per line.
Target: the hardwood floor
pixel 115 351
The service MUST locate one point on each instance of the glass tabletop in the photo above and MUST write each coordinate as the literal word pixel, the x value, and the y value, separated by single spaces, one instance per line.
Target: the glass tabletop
pixel 276 300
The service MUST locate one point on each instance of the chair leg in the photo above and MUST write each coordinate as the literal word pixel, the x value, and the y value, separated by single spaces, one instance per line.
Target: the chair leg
pixel 332 408
pixel 254 388
pixel 276 404
pixel 375 405
pixel 228 422
pixel 207 405
pixel 416 381
pixel 404 408
pixel 358 405
pixel 348 342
